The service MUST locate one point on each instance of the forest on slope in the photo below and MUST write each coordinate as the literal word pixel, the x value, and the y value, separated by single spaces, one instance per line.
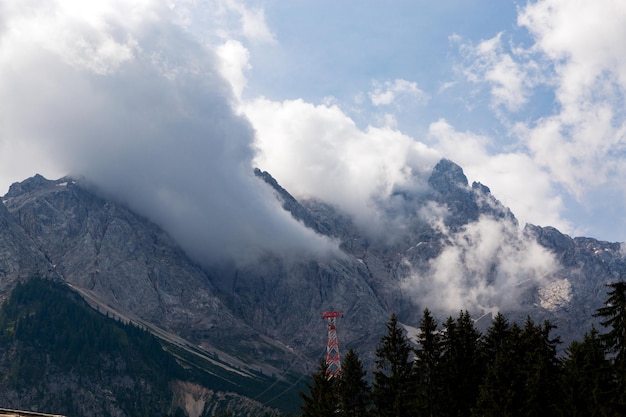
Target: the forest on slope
pixel 59 355
pixel 454 370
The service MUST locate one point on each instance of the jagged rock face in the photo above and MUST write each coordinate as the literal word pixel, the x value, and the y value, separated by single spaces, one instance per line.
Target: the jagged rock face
pixel 447 177
pixel 465 204
pixel 122 259
pixel 19 256
pixel 285 301
pixel 263 312
pixel 570 299
pixel 588 266
pixel 374 268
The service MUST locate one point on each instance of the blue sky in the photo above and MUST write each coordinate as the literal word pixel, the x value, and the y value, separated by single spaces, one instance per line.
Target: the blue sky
pixel 338 100
pixel 487 69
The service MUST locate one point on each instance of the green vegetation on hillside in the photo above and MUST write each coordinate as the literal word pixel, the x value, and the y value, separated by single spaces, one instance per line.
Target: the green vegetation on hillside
pixel 48 334
pixel 57 354
pixel 47 319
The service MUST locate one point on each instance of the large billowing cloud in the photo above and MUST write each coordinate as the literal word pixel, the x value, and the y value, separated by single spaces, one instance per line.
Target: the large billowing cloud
pixel 582 144
pixel 561 96
pixel 488 265
pixel 148 101
pixel 120 93
pixel 318 151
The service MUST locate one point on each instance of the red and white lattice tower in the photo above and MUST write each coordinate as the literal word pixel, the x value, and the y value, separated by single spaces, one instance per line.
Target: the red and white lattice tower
pixel 333 359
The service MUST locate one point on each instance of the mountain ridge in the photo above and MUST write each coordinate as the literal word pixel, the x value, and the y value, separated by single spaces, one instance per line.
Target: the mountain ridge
pixel 444 244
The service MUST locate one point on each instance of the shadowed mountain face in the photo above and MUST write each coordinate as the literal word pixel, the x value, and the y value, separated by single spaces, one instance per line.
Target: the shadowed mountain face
pixel 20 257
pixel 123 261
pixel 450 247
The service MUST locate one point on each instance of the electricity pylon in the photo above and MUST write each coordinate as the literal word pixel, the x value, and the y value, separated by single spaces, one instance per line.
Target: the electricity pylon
pixel 333 359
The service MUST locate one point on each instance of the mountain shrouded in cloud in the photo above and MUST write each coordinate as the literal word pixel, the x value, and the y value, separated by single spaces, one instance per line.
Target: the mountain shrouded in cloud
pixel 488 265
pixel 168 107
pixel 317 151
pixel 122 95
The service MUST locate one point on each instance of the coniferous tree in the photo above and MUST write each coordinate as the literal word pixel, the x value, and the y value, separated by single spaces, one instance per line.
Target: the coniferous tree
pixel 521 379
pixel 496 337
pixel 540 370
pixel 393 391
pixel 427 366
pixel 461 366
pixel 500 388
pixel 587 379
pixel 354 392
pixel 322 400
pixel 613 316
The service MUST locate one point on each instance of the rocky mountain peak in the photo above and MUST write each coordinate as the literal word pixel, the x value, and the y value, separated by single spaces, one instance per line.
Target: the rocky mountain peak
pixel 447 177
pixel 481 188
pixel 31 184
pixel 290 204
pixel 465 204
pixel 261 314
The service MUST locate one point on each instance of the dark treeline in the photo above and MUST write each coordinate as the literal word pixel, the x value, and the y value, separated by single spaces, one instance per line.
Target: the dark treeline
pixel 455 371
pixel 49 336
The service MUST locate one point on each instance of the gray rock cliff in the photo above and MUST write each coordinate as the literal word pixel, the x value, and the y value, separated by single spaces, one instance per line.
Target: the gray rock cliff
pixel 268 314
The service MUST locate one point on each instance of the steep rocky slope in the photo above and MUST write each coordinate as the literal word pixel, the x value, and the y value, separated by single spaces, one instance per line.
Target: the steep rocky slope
pixel 127 263
pixel 19 256
pixel 523 271
pixel 58 355
pixel 448 246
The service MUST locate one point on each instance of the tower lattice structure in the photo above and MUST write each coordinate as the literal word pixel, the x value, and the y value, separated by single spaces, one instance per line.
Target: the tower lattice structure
pixel 333 358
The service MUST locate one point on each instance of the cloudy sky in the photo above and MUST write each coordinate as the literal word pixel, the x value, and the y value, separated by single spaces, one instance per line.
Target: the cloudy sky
pixel 168 105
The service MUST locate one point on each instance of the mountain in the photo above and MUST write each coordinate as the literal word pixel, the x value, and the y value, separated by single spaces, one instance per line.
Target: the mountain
pixel 124 262
pixel 56 353
pixel 19 255
pixel 440 243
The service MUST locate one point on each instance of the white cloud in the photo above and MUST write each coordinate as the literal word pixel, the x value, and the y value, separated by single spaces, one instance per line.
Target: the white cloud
pixel 136 104
pixel 485 266
pixel 388 92
pixel 581 38
pixel 217 21
pixel 78 35
pixel 584 142
pixel 318 151
pixel 254 26
pixel 579 141
pixel 234 62
pixel 487 63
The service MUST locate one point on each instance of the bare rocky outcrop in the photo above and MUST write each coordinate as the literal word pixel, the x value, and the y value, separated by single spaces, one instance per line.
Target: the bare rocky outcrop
pixel 20 257
pixel 198 401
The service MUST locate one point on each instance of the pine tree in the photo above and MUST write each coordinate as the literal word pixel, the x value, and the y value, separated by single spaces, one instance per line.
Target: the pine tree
pixel 498 394
pixel 461 364
pixel 614 341
pixel 322 399
pixel 354 392
pixel 496 337
pixel 587 378
pixel 614 318
pixel 521 371
pixel 540 370
pixel 393 389
pixel 427 366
